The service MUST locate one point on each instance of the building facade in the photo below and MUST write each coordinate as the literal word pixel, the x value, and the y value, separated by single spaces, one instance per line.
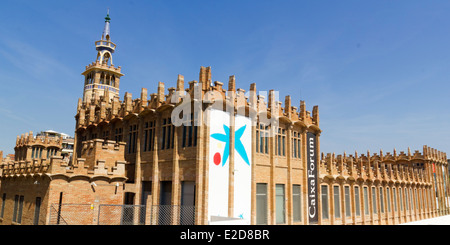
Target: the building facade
pixel 34 185
pixel 382 188
pixel 242 157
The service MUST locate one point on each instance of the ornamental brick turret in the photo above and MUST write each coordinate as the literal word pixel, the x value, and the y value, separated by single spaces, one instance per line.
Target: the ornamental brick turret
pixel 102 79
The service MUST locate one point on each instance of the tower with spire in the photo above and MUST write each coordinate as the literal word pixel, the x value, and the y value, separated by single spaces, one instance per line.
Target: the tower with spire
pixel 102 78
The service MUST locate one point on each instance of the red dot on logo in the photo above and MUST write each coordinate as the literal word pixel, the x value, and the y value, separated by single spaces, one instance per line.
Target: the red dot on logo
pixel 217 158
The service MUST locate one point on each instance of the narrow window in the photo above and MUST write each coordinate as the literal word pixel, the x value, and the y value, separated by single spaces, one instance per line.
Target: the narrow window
pixel 411 199
pixel 19 214
pixel 280 203
pixel 169 138
pixel 406 199
pixel 420 200
pixel 297 203
pixel 261 140
pixel 37 210
pixel 381 200
pixel 366 201
pixel 266 140
pixel 388 197
pixel 261 204
pixel 190 135
pixel 195 136
pixel 416 197
pixel 163 136
pixel 279 145
pixel 187 203
pixel 374 200
pixel 184 136
pixel 151 137
pixel 347 201
pixel 357 202
pixel 324 194
pixel 337 206
pixel 193 129
pixel 3 205
pixel 400 198
pixel 395 199
pixel 145 135
pixel 295 145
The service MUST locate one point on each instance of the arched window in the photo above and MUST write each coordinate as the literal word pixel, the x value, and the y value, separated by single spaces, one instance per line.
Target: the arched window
pixel 102 78
pixel 106 58
pixel 108 79
pixel 113 81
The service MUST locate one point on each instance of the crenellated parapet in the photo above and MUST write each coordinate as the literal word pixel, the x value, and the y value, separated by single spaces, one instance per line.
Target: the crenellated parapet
pixel 28 139
pixel 435 155
pixel 57 166
pixel 106 108
pixel 103 66
pixel 99 152
pixel 412 168
pixel 41 146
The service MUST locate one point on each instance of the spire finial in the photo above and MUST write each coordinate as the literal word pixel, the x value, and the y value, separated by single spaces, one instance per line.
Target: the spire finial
pixel 107 19
pixel 106 32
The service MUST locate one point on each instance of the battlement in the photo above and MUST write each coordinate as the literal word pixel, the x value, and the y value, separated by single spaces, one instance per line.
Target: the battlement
pixel 58 166
pixel 97 64
pixel 28 139
pixel 105 153
pixel 104 109
pixel 388 167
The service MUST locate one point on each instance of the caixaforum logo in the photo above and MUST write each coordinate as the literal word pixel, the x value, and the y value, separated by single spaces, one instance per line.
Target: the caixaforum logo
pixel 238 146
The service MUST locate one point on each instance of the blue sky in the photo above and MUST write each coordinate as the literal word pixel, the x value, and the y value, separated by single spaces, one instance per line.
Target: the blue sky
pixel 379 70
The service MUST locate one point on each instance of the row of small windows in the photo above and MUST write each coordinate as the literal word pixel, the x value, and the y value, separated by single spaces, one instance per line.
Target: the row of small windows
pixel 36 152
pixel 105 78
pixel 18 209
pixel 166 141
pixel 262 141
pixel 408 199
pixel 280 204
pixel 189 137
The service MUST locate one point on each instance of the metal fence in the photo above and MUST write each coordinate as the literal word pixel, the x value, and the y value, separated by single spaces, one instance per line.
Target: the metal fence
pixel 107 214
pixel 122 215
pixel 173 215
pixel 71 214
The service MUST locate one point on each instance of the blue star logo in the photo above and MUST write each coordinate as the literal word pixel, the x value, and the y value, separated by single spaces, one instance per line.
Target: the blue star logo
pixel 238 146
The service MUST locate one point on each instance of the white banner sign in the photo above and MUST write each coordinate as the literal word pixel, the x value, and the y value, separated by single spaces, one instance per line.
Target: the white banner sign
pixel 219 152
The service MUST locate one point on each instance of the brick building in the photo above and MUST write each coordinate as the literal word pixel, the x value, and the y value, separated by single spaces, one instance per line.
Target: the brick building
pixel 236 156
pixel 383 188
